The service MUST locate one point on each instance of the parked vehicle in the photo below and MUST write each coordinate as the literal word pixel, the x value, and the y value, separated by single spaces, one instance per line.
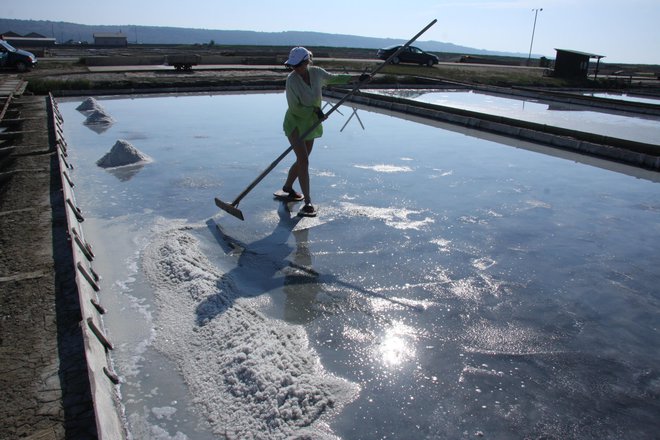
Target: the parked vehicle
pixel 410 54
pixel 13 58
pixel 183 61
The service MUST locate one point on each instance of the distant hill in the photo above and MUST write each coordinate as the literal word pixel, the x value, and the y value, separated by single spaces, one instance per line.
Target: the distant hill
pixel 66 32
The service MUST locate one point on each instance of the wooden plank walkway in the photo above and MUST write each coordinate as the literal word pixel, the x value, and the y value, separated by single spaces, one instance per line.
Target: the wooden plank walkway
pixel 11 85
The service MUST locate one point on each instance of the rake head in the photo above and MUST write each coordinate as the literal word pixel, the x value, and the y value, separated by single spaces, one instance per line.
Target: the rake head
pixel 230 208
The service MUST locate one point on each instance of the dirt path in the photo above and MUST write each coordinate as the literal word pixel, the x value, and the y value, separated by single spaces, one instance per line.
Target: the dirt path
pixel 43 374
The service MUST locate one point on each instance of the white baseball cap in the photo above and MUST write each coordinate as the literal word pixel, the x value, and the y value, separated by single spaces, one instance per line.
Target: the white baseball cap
pixel 297 56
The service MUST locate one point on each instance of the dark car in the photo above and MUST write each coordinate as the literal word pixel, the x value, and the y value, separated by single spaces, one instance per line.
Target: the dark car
pixel 410 54
pixel 13 58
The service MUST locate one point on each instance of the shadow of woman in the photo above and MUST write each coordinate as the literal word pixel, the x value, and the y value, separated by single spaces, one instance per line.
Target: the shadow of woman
pixel 262 266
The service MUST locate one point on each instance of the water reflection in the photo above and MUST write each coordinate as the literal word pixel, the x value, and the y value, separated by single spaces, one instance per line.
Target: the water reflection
pixel 125 173
pixel 351 117
pixel 354 113
pixel 300 283
pixel 99 128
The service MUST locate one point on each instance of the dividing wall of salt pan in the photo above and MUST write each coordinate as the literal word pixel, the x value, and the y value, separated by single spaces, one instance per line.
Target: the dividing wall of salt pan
pixel 122 154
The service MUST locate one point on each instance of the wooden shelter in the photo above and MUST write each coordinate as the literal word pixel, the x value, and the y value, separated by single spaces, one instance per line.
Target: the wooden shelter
pixel 571 63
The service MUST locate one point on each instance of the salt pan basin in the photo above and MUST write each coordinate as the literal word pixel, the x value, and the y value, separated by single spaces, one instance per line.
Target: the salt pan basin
pixel 454 284
pixel 628 126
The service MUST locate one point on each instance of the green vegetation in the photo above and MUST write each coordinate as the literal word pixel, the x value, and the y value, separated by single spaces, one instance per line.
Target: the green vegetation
pixel 42 86
pixel 464 73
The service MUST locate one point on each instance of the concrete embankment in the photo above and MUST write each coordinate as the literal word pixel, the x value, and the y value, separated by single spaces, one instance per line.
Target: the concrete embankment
pixel 626 151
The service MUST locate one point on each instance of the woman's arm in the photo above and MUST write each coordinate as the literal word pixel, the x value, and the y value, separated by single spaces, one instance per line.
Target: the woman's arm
pixel 295 106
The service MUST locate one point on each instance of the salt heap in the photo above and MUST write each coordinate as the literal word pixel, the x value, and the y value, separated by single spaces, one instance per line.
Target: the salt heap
pixel 121 154
pixel 229 354
pixel 89 104
pixel 99 117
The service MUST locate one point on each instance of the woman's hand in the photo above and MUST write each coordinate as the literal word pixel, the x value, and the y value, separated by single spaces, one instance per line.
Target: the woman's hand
pixel 320 114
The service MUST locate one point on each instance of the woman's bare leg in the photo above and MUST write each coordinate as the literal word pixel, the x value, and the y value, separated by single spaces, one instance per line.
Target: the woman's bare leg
pixel 300 169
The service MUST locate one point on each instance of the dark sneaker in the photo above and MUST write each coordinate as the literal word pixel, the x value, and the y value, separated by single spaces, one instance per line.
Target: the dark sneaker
pixel 307 211
pixel 293 195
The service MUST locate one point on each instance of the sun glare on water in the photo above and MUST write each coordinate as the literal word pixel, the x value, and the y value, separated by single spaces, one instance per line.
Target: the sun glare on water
pixel 396 346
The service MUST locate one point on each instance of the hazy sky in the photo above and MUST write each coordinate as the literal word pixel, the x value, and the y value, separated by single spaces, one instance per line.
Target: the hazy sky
pixel 623 31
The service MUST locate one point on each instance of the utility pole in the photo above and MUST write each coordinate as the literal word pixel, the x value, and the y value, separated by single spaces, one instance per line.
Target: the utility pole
pixel 536 13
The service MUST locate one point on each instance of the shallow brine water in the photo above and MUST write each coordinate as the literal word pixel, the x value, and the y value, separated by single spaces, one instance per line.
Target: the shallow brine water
pixel 451 287
pixel 638 128
pixel 626 97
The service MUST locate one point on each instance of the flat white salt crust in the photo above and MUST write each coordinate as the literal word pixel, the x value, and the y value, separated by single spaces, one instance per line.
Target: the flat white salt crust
pixel 252 377
pixel 383 168
pixel 398 218
pixel 99 117
pixel 89 104
pixel 394 217
pixel 122 154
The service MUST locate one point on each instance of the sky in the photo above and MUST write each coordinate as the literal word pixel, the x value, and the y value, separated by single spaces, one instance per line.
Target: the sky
pixel 623 31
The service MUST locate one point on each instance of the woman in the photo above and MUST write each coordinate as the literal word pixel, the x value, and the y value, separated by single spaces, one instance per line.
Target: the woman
pixel 303 94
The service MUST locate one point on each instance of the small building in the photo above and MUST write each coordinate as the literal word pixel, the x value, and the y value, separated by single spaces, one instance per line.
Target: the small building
pixel 29 41
pixel 113 39
pixel 572 64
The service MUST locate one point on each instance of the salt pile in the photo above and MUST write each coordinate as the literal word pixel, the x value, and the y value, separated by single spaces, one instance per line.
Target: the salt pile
pixel 89 104
pixel 252 377
pixel 121 154
pixel 99 117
